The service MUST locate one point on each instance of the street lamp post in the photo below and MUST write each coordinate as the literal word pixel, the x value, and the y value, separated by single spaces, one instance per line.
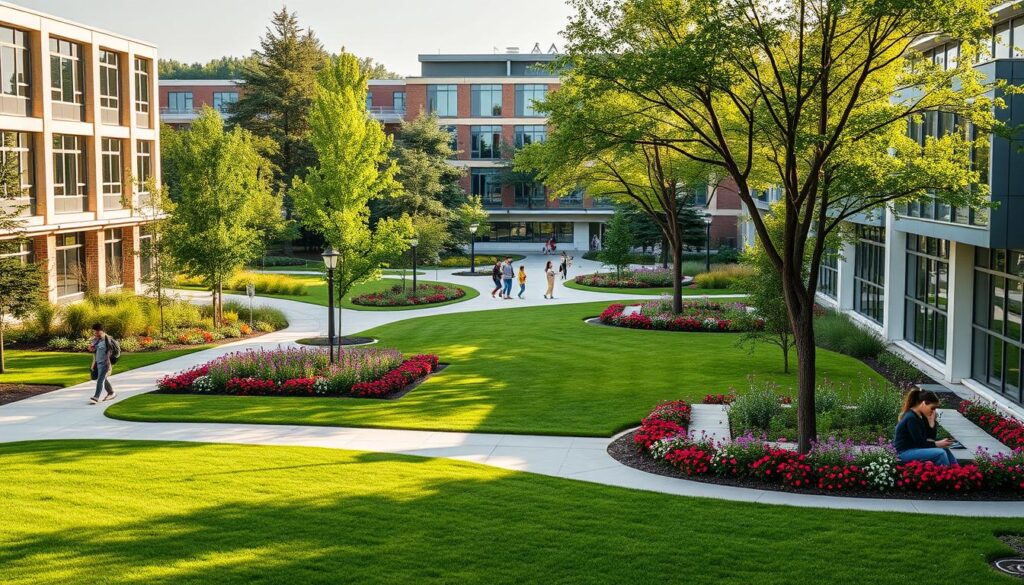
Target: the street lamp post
pixel 472 246
pixel 414 242
pixel 707 242
pixel 330 256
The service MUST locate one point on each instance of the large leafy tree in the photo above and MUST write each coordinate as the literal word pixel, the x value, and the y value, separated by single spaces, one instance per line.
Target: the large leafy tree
pixel 820 92
pixel 225 207
pixel 354 169
pixel 219 68
pixel 279 82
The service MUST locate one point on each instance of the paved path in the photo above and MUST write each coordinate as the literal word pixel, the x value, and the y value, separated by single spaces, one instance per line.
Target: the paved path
pixel 64 414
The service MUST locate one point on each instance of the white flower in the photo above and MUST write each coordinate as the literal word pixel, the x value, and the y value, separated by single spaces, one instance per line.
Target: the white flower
pixel 202 384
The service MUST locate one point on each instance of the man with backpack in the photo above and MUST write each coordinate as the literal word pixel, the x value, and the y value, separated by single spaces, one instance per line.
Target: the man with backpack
pixel 106 351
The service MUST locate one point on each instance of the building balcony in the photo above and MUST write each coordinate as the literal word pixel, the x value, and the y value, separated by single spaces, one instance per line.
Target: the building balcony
pixel 182 115
pixel 386 115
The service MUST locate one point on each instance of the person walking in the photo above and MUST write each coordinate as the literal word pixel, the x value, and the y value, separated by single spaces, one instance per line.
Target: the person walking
pixel 496 276
pixel 549 271
pixel 522 281
pixel 563 265
pixel 507 273
pixel 106 352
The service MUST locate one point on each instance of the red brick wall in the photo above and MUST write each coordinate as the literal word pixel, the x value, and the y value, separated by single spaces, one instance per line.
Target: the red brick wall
pixel 202 95
pixel 508 100
pixel 129 239
pixel 93 257
pixel 464 100
pixel 415 100
pixel 724 230
pixel 727 195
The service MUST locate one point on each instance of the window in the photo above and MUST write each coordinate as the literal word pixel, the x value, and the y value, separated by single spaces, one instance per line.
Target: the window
pixel 484 183
pixel 1018 37
pixel 399 101
pixel 19 144
pixel 15 85
pixel 997 343
pixel 66 79
pixel 869 273
pixel 485 141
pixel 828 274
pixel 146 253
pixel 530 196
pixel 453 131
pixel 222 100
pixel 1001 50
pixel 110 87
pixel 112 189
pixel 143 164
pixel 530 231
pixel 69 173
pixel 699 195
pixel 485 100
pixel 142 92
pixel 113 246
pixel 573 199
pixel 527 96
pixel 443 100
pixel 179 102
pixel 22 252
pixel 530 134
pixel 927 294
pixel 70 264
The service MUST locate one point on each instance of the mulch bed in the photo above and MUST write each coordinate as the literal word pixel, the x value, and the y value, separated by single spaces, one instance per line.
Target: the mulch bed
pixel 625 452
pixel 15 392
pixel 874 365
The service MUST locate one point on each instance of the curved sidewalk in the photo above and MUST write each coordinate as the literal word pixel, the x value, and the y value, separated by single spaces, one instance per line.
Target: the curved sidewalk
pixel 64 414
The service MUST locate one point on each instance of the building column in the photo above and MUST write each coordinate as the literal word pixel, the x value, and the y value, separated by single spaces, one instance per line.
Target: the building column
pixel 581 235
pixel 960 312
pixel 44 252
pixel 131 270
pixel 95 263
pixel 895 280
pixel 844 284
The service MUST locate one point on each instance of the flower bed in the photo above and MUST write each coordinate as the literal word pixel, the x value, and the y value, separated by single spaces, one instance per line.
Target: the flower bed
pixel 700 315
pixel 831 466
pixel 369 373
pixel 426 294
pixel 1009 431
pixel 635 278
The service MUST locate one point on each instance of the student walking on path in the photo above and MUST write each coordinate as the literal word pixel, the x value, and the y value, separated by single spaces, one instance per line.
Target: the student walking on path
pixel 549 271
pixel 507 273
pixel 496 277
pixel 105 352
pixel 563 267
pixel 522 281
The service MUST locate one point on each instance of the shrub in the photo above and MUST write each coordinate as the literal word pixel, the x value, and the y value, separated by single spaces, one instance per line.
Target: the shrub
pixel 77 319
pixel 756 408
pixel 81 344
pixel 179 315
pixel 130 344
pixel 1001 471
pixel 462 260
pixel 260 313
pixel 264 327
pixel 1009 431
pixel 230 317
pixel 900 370
pixel 722 276
pixel 836 332
pixel 280 261
pixel 701 315
pixel 878 405
pixel 273 284
pixel 44 318
pixel 826 398
pixel 59 343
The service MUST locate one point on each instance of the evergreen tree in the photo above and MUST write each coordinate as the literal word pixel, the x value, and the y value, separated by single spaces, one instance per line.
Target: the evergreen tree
pixel 618 243
pixel 219 68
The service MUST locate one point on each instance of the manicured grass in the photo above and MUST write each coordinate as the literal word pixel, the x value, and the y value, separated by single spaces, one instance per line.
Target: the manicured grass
pixel 661 290
pixel 143 512
pixel 65 368
pixel 537 370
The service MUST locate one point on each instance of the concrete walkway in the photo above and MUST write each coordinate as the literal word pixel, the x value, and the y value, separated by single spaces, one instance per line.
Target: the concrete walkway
pixel 65 414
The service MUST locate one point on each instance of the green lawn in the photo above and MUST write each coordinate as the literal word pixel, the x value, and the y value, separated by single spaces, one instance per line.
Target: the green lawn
pixel 316 293
pixel 537 370
pixel 65 368
pixel 661 290
pixel 143 512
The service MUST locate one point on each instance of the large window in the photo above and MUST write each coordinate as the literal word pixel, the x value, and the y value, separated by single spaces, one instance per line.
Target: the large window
pixel 66 80
pixel 15 71
pixel 453 132
pixel 22 252
pixel 399 101
pixel 70 265
pixel 110 87
pixel 530 134
pixel 112 183
pixel 998 292
pixel 527 97
pixel 484 183
pixel 927 294
pixel 114 253
pixel 485 100
pixel 485 141
pixel 530 232
pixel 179 102
pixel 70 189
pixel 530 196
pixel 869 273
pixel 142 92
pixel 143 165
pixel 222 100
pixel 828 274
pixel 443 100
pixel 146 253
pixel 19 145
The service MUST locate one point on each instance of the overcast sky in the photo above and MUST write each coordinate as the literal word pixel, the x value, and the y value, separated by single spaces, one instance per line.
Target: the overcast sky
pixel 393 32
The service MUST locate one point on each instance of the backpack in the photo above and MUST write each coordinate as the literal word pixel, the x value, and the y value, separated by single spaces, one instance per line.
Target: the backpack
pixel 113 349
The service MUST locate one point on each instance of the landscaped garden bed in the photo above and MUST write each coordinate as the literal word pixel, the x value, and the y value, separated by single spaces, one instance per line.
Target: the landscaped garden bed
pixel 362 373
pixel 1009 431
pixel 400 295
pixel 702 315
pixel 663 445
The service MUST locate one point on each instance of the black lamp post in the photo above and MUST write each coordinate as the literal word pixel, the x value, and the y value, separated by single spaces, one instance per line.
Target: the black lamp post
pixel 472 246
pixel 330 256
pixel 414 242
pixel 707 242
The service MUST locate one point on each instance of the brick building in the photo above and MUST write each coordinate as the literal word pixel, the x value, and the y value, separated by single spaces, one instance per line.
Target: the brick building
pixel 77 102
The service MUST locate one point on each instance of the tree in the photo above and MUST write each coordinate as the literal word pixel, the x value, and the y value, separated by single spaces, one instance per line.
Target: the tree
pixel 820 93
pixel 219 68
pixel 21 284
pixel 354 168
pixel 225 207
pixel 469 213
pixel 278 85
pixel 155 208
pixel 374 70
pixel 618 243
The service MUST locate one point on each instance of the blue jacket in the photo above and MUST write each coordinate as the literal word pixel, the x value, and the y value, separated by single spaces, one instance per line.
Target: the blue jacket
pixel 912 432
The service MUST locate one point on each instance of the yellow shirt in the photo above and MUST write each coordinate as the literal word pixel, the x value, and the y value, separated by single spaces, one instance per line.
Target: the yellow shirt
pixel 522 277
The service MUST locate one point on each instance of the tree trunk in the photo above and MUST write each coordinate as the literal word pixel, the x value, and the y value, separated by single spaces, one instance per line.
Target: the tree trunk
pixel 803 338
pixel 664 252
pixel 785 353
pixel 677 277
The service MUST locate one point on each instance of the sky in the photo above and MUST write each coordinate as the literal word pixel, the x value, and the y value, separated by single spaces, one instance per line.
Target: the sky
pixel 392 32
